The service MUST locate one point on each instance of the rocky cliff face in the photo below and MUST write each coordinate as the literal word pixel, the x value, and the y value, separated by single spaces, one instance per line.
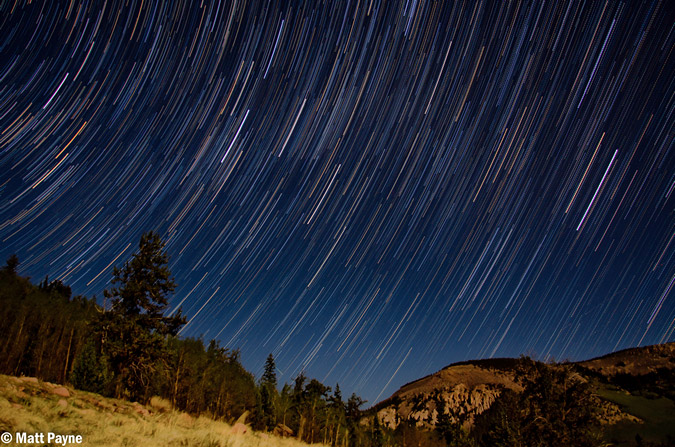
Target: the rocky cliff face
pixel 460 391
pixel 467 389
pixel 460 402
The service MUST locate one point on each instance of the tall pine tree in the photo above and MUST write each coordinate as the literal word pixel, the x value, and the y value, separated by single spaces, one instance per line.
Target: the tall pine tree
pixel 133 331
pixel 268 394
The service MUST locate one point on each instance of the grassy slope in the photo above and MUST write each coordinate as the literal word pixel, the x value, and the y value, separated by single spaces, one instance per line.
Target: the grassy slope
pixel 32 407
pixel 658 415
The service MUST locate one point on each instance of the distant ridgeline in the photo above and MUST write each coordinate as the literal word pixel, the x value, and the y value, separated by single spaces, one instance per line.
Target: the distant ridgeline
pixel 131 350
pixel 626 398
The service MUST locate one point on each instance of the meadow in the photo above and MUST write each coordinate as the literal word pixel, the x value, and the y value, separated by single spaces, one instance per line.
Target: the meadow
pixel 30 406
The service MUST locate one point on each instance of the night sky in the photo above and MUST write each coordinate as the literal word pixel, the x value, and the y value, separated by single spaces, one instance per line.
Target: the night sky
pixel 369 191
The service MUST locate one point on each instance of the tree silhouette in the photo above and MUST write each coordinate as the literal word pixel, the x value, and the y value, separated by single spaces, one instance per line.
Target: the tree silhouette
pixel 145 284
pixel 269 376
pixel 268 395
pixel 12 264
pixel 133 333
pixel 556 407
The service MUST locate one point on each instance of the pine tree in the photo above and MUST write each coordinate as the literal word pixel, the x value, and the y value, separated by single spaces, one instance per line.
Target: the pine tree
pixel 133 333
pixel 270 373
pixel 268 394
pixel 353 415
pixel 12 264
pixel 336 415
pixel 336 399
pixel 145 284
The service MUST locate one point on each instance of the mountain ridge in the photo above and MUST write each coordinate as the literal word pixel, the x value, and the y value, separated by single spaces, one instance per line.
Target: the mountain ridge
pixel 626 386
pixel 510 362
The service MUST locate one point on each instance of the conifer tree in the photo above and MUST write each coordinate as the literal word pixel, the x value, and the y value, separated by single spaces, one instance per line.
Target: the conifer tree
pixel 268 394
pixel 133 332
pixel 269 376
pixel 12 264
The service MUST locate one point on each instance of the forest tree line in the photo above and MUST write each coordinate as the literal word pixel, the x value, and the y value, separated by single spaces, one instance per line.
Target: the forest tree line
pixel 129 348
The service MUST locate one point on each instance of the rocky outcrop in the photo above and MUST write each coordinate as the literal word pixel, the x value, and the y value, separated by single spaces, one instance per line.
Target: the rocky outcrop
pixel 461 391
pixel 611 413
pixel 464 390
pixel 461 402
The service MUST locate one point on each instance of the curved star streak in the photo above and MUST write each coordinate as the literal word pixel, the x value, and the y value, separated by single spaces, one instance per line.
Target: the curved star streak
pixel 368 190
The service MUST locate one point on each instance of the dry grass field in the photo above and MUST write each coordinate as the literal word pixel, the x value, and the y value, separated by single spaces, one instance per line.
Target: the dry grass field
pixel 32 407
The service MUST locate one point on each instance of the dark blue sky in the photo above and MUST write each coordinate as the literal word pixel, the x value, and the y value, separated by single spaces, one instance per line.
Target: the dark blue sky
pixel 370 191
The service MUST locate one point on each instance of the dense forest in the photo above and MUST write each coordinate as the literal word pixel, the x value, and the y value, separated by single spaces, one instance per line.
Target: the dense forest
pixel 128 348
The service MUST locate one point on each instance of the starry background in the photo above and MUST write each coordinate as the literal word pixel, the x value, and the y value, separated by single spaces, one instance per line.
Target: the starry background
pixel 369 191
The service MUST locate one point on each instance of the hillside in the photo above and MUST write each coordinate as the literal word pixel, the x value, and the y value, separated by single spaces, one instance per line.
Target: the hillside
pixel 634 361
pixel 30 406
pixel 633 393
pixel 131 350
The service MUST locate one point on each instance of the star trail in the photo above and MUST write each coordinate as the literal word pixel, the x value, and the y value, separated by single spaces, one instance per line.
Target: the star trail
pixel 368 190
